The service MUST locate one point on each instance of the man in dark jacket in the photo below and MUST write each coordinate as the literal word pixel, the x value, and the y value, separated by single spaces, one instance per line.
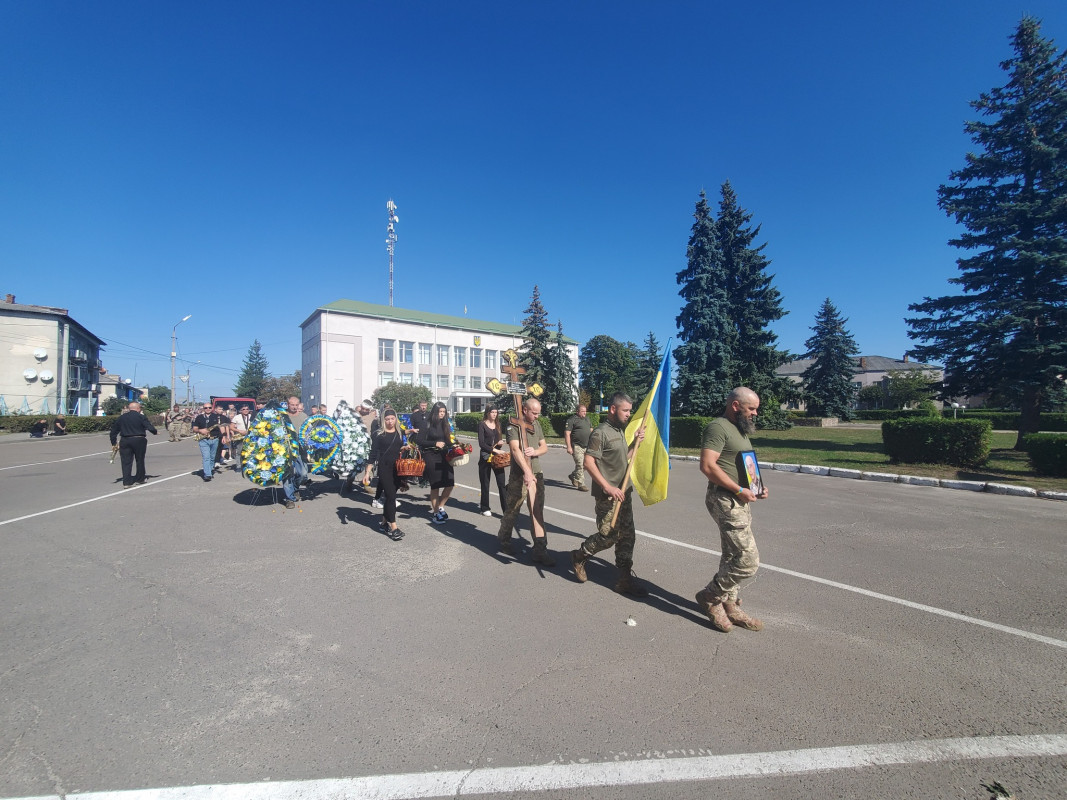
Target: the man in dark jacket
pixel 133 427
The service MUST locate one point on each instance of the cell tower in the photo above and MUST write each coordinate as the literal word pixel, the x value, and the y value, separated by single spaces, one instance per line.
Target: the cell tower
pixel 390 242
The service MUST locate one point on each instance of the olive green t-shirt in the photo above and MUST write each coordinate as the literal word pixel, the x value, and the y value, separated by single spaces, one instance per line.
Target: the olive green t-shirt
pixel 726 439
pixel 607 445
pixel 580 428
pixel 535 462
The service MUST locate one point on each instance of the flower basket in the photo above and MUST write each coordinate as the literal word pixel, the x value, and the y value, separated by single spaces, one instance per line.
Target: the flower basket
pixel 458 454
pixel 410 463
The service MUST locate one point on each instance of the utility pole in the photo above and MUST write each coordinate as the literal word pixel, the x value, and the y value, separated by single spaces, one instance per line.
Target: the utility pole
pixel 390 242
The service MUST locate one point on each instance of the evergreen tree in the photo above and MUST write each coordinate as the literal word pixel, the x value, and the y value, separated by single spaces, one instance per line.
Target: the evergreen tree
pixel 253 373
pixel 648 361
pixel 708 339
pixel 560 379
pixel 606 366
pixel 534 350
pixel 754 302
pixel 1007 331
pixel 828 381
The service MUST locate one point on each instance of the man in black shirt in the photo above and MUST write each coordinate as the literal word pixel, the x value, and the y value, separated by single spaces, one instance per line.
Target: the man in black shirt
pixel 208 427
pixel 132 426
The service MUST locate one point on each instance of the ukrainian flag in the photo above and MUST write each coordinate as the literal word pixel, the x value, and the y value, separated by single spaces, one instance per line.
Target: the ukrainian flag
pixel 651 461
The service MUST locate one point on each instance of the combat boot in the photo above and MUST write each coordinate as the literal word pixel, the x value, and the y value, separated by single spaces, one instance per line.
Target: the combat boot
pixel 715 611
pixel 740 618
pixel 578 558
pixel 540 554
pixel 629 584
pixel 505 545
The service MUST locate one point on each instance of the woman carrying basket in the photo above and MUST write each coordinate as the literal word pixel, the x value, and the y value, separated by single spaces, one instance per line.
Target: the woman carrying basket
pixel 434 441
pixel 493 447
pixel 386 449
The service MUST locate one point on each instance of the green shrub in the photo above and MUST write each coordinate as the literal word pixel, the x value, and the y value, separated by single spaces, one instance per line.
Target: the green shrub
pixel 772 417
pixel 466 422
pixel 882 414
pixel 1048 453
pixel 23 423
pixel 927 440
pixel 928 408
pixel 1009 420
pixel 688 431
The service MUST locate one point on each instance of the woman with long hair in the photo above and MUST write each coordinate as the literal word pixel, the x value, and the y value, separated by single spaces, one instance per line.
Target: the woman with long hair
pixel 490 440
pixel 434 440
pixel 384 452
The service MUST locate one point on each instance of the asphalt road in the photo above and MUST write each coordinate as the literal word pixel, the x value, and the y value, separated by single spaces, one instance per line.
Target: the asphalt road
pixel 174 635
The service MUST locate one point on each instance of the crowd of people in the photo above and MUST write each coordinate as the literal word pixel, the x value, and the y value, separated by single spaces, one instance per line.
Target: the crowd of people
pixel 509 454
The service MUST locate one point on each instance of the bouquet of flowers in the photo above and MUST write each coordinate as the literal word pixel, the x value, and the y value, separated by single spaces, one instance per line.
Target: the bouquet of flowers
pixel 355 441
pixel 269 448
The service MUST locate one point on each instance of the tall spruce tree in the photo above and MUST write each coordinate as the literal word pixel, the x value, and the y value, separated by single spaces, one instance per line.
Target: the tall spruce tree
pixel 648 361
pixel 534 350
pixel 828 381
pixel 753 300
pixel 254 373
pixel 708 338
pixel 560 379
pixel 1007 331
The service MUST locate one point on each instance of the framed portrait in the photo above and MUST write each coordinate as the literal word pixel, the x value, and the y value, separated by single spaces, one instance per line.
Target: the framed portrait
pixel 750 470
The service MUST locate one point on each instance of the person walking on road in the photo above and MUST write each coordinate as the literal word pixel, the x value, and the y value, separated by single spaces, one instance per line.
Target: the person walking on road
pixel 576 435
pixel 133 426
pixel 730 505
pixel 208 428
pixel 607 460
pixel 384 452
pixel 526 482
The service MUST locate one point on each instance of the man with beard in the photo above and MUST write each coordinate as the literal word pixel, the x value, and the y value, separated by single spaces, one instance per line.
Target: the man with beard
pixel 730 505
pixel 607 461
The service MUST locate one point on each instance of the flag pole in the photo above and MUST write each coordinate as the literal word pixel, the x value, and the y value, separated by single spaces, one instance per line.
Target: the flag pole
pixel 633 455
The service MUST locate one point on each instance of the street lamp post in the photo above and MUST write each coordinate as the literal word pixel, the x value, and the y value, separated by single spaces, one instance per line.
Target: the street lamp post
pixel 174 353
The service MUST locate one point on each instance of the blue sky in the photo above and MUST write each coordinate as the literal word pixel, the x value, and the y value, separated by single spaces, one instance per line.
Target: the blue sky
pixel 233 160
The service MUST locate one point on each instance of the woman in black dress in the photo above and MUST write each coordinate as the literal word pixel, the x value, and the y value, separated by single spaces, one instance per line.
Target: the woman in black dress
pixel 490 439
pixel 384 452
pixel 434 440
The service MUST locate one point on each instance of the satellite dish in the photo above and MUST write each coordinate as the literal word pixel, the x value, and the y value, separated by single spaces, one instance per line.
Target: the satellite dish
pixel 46 376
pixel 40 354
pixel 128 382
pixel 29 374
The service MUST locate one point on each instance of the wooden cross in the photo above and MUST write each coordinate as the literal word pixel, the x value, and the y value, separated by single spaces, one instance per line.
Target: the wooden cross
pixel 517 389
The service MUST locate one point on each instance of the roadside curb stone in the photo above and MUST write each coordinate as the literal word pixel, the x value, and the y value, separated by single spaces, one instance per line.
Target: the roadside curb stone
pixel 840 472
pixel 809 469
pixel 787 467
pixel 882 477
pixel 1048 494
pixel 1014 491
pixel 969 486
pixel 919 480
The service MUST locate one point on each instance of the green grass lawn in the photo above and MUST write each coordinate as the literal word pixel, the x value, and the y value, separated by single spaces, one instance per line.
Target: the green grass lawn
pixel 861 448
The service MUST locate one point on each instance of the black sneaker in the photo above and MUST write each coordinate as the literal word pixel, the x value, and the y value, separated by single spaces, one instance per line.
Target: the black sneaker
pixel 396 534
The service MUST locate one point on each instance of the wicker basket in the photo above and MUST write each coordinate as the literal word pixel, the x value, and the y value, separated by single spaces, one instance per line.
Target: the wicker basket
pixel 410 463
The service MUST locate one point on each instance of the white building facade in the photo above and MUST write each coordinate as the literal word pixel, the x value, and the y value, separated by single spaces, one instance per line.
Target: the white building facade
pixel 48 362
pixel 350 348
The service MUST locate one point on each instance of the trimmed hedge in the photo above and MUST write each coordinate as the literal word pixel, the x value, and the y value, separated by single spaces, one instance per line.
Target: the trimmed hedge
pixel 469 423
pixel 23 423
pixel 882 414
pixel 688 431
pixel 1009 420
pixel 928 440
pixel 1048 453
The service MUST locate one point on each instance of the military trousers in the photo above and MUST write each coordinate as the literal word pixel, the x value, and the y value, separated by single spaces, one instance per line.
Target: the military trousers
pixel 740 558
pixel 578 475
pixel 516 496
pixel 621 536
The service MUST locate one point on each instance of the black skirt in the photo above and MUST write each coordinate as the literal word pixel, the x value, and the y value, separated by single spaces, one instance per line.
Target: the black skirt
pixel 438 471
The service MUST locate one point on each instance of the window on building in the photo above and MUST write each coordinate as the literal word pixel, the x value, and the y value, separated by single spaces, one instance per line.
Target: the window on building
pixel 442 381
pixel 426 379
pixel 442 355
pixel 461 381
pixel 476 382
pixel 490 359
pixel 407 352
pixel 426 354
pixel 476 357
pixel 384 378
pixel 461 356
pixel 407 378
pixel 385 349
pixel 477 404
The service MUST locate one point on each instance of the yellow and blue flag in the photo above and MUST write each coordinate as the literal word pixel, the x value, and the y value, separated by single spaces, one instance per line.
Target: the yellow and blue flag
pixel 651 461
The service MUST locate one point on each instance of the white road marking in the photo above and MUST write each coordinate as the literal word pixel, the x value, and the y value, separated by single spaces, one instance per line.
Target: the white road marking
pixel 548 777
pixel 72 458
pixel 153 482
pixel 1037 637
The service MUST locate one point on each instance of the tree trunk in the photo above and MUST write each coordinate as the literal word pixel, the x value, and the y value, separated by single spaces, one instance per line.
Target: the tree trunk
pixel 1029 415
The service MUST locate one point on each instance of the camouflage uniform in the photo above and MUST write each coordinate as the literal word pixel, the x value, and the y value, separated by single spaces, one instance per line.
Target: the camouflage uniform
pixel 580 429
pixel 516 496
pixel 608 446
pixel 740 558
